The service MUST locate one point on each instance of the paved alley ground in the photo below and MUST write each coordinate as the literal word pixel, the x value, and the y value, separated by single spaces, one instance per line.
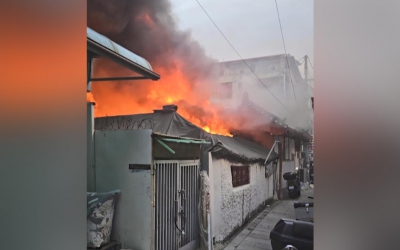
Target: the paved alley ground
pixel 256 235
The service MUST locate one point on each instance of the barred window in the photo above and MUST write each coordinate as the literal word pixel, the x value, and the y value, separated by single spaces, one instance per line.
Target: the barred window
pixel 240 175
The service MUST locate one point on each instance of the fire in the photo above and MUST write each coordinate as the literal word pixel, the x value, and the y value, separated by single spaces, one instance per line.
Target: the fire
pixel 144 17
pixel 146 96
pixel 182 65
pixel 90 97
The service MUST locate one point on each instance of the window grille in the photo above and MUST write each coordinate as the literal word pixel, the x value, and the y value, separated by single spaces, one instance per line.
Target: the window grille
pixel 240 175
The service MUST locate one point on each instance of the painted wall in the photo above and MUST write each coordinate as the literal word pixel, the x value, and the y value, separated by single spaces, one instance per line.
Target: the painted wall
pixel 114 151
pixel 232 206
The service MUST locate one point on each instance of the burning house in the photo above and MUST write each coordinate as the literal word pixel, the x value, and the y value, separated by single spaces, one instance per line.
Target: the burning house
pixel 262 127
pixel 268 100
pixel 157 158
pixel 154 157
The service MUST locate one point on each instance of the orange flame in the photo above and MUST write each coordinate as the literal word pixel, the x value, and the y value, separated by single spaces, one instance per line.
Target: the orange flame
pixel 146 96
pixel 90 97
pixel 174 87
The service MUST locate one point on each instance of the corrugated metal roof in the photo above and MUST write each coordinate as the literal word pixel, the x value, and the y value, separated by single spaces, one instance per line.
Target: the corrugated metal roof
pixel 138 63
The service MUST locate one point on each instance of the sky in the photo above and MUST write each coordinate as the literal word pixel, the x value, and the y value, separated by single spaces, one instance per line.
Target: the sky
pixel 252 27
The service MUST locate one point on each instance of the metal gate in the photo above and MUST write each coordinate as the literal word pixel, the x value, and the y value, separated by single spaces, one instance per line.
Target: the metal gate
pixel 176 206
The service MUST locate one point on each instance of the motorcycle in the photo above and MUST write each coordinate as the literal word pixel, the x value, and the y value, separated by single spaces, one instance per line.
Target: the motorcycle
pixel 293 184
pixel 295 234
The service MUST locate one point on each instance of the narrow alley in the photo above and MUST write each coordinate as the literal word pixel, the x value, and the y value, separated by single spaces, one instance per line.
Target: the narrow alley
pixel 255 236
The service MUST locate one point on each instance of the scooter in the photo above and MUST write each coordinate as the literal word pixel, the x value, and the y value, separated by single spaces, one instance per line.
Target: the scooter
pixel 293 184
pixel 295 234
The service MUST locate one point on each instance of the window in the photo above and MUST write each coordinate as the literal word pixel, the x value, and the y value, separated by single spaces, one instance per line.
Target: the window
pixel 240 175
pixel 288 156
pixel 226 90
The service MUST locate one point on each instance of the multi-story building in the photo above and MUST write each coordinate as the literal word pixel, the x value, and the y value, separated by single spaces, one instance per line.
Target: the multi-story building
pixel 261 76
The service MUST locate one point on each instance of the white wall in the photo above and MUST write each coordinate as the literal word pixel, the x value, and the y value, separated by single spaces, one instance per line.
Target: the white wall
pixel 232 205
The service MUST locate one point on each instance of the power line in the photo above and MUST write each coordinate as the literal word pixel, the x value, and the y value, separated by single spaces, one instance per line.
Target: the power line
pixel 240 56
pixel 284 46
pixel 301 60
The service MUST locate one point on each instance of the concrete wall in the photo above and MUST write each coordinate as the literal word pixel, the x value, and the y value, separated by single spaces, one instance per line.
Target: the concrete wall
pixel 114 151
pixel 233 206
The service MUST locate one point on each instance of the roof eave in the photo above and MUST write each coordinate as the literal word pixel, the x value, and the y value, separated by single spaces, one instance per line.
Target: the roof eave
pixel 100 50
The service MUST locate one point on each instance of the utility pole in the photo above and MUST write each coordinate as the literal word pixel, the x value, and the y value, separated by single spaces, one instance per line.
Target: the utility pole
pixel 283 62
pixel 306 68
pixel 281 155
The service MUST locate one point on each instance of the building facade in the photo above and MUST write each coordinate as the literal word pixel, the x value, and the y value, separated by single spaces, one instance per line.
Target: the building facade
pixel 261 76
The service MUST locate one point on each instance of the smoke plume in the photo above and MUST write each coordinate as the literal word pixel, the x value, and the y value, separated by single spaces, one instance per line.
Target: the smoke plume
pixel 148 29
pixel 188 75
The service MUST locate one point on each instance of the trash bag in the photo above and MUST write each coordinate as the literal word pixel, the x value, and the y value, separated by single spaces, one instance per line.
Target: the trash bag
pixel 100 213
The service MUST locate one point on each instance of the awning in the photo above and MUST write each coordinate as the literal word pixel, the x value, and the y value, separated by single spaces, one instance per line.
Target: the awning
pixel 160 138
pixel 184 141
pixel 179 139
pixel 102 46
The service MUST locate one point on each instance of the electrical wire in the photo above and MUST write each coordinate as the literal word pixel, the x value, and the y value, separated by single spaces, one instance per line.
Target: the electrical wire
pixel 301 60
pixel 284 46
pixel 241 56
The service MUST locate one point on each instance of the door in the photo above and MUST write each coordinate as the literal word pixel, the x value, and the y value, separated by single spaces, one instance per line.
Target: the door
pixel 176 205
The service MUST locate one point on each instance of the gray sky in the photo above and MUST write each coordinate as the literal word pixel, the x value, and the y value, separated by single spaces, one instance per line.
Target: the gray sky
pixel 252 27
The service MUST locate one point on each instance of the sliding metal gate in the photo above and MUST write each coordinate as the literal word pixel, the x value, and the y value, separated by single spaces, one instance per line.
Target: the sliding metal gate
pixel 177 197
